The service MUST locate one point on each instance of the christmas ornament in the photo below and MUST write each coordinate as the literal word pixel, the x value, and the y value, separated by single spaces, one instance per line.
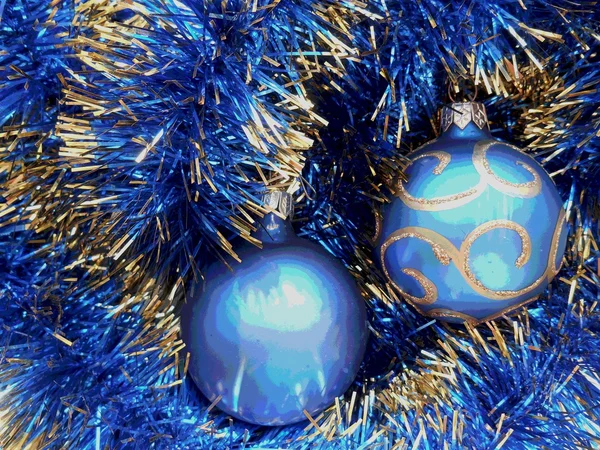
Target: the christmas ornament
pixel 479 228
pixel 285 331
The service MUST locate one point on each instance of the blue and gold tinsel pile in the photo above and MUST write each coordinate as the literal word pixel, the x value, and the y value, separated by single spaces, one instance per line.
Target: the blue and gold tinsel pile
pixel 136 138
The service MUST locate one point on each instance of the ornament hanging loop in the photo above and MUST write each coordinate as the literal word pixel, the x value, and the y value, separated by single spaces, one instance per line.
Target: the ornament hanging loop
pixel 461 86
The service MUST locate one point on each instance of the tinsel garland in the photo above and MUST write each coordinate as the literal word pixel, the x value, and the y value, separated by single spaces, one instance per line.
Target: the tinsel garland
pixel 135 140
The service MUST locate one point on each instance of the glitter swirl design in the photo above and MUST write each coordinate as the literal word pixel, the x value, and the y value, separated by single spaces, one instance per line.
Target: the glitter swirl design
pixel 445 313
pixel 441 249
pixel 443 158
pixel 444 202
pixel 555 242
pixel 378 225
pixel 445 252
pixel 440 203
pixel 431 292
pixel 528 189
pixel 448 313
pixel 493 225
pixel 477 285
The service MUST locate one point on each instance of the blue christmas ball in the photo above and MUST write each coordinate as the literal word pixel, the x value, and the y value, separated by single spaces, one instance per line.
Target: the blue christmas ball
pixel 284 332
pixel 478 230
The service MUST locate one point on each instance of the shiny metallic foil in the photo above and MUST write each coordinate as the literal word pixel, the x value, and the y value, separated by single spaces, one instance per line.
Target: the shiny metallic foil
pixel 136 140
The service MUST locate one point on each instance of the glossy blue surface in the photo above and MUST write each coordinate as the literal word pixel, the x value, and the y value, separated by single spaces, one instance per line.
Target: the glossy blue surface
pixel 286 331
pixel 505 272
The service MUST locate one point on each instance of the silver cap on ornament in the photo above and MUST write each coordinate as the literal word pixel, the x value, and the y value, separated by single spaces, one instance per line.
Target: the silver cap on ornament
pixel 281 202
pixel 462 114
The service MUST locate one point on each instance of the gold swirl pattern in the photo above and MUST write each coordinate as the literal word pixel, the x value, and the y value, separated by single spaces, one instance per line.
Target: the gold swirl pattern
pixel 444 313
pixel 443 158
pixel 495 224
pixel 465 251
pixel 555 241
pixel 445 252
pixel 378 225
pixel 448 313
pixel 441 249
pixel 522 190
pixel 431 292
pixel 444 202
pixel 487 178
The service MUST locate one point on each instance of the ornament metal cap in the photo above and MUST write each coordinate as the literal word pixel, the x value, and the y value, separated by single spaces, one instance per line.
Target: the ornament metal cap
pixel 462 114
pixel 281 202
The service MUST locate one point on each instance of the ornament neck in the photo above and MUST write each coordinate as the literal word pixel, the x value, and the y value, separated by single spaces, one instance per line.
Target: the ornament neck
pixel 466 120
pixel 273 229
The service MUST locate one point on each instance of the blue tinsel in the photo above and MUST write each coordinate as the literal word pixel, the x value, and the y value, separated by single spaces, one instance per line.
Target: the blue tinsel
pixel 135 138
